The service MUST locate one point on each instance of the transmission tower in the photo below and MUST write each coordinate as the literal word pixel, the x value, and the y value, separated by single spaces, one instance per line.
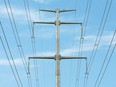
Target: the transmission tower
pixel 57 57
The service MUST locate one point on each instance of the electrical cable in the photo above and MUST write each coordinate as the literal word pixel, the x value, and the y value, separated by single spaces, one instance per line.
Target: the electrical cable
pixel 88 6
pixel 11 55
pixel 72 45
pixel 9 62
pixel 83 29
pixel 33 47
pixel 34 54
pixel 105 58
pixel 30 26
pixel 107 65
pixel 28 14
pixel 17 39
pixel 97 44
pixel 78 74
pixel 28 20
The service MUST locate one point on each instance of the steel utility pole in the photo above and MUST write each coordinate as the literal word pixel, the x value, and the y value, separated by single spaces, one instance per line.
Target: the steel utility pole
pixel 57 57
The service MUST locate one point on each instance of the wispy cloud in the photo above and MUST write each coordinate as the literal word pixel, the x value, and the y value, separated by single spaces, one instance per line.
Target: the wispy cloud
pixel 5 62
pixel 40 1
pixel 19 13
pixel 68 51
pixel 43 1
pixel 88 46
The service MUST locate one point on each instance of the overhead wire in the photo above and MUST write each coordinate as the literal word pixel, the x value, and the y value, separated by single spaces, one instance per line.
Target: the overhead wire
pixel 17 38
pixel 29 21
pixel 103 65
pixel 99 36
pixel 96 45
pixel 85 21
pixel 35 62
pixel 20 45
pixel 107 65
pixel 80 54
pixel 11 55
pixel 16 35
pixel 87 13
pixel 79 62
pixel 9 62
pixel 73 41
pixel 78 74
pixel 15 32
pixel 33 42
pixel 84 27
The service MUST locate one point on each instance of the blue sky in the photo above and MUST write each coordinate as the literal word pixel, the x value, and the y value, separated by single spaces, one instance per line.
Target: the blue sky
pixel 72 71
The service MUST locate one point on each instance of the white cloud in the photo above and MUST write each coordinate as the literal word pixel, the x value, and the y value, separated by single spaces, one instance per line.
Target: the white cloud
pixel 47 53
pixel 88 46
pixel 75 50
pixel 43 1
pixel 19 14
pixel 68 51
pixel 40 1
pixel 105 39
pixel 5 62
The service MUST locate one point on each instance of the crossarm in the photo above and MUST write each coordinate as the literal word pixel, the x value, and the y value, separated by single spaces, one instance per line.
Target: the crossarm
pixel 43 57
pixel 47 10
pixel 73 57
pixel 70 23
pixel 43 22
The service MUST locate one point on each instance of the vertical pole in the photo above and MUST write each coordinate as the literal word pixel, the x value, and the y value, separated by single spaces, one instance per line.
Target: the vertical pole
pixel 57 56
pixel 57 49
pixel 57 33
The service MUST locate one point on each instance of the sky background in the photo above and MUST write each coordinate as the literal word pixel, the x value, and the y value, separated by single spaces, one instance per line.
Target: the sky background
pixel 98 24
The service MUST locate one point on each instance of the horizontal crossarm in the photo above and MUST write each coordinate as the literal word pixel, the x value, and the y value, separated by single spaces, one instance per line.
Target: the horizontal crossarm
pixel 43 22
pixel 42 57
pixel 67 10
pixel 56 22
pixel 55 10
pixel 73 57
pixel 47 10
pixel 70 23
pixel 53 57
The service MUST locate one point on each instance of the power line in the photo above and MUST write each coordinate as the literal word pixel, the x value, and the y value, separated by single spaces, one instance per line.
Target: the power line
pixel 85 21
pixel 86 17
pixel 18 41
pixel 11 55
pixel 35 62
pixel 78 74
pixel 33 45
pixel 107 64
pixel 15 32
pixel 85 80
pixel 105 58
pixel 31 28
pixel 28 19
pixel 99 39
pixel 84 26
pixel 9 62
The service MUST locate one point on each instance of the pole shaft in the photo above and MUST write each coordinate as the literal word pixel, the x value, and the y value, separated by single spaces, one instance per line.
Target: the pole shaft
pixel 57 49
pixel 57 73
pixel 57 33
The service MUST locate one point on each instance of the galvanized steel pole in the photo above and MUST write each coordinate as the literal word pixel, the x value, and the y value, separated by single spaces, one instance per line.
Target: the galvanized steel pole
pixel 57 49
pixel 57 57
